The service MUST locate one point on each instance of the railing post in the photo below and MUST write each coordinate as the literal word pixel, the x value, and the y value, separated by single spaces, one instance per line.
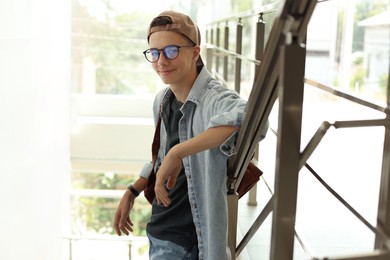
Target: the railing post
pixel 291 85
pixel 260 42
pixel 383 217
pixel 212 35
pixel 130 250
pixel 70 249
pixel 209 52
pixel 225 57
pixel 232 200
pixel 217 52
pixel 237 71
pixel 209 58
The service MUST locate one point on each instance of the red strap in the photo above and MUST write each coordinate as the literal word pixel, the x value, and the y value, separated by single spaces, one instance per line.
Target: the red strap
pixel 156 141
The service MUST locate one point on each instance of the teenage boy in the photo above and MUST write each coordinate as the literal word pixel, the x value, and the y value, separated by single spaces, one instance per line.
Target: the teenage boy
pixel 199 122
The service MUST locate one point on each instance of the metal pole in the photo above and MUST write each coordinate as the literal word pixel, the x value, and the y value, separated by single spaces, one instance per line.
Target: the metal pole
pixel 232 200
pixel 70 249
pixel 218 53
pixel 383 218
pixel 209 58
pixel 260 41
pixel 212 36
pixel 225 58
pixel 130 250
pixel 292 61
pixel 237 72
pixel 209 52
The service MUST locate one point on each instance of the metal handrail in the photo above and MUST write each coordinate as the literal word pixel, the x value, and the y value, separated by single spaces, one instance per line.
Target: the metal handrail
pixel 222 52
pixel 348 96
pixel 265 9
pixel 264 98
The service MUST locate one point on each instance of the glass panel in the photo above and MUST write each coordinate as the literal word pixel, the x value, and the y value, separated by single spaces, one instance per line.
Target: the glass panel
pixel 94 199
pixel 107 47
pixel 348 46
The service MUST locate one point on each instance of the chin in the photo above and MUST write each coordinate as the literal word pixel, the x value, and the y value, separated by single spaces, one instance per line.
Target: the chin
pixel 166 80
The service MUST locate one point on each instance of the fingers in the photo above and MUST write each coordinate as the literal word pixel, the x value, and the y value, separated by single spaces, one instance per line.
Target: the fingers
pixel 160 189
pixel 162 196
pixel 125 225
pixel 171 183
pixel 116 224
pixel 122 221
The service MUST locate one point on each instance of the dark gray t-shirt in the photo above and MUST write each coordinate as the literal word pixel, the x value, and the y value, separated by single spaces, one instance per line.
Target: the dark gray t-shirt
pixel 174 223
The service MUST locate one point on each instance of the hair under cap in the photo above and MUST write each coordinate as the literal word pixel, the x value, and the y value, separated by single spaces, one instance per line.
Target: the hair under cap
pixel 181 23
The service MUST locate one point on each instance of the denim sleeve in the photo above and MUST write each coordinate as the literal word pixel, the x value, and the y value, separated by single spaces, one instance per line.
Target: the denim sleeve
pixel 229 146
pixel 228 110
pixel 146 170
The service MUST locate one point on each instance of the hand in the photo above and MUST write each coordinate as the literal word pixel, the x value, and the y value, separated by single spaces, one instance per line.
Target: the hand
pixel 122 221
pixel 169 170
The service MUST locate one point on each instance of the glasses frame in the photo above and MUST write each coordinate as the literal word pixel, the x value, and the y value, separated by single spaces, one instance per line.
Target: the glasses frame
pixel 163 51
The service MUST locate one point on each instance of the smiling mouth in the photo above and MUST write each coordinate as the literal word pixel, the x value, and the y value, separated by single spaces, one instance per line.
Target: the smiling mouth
pixel 164 72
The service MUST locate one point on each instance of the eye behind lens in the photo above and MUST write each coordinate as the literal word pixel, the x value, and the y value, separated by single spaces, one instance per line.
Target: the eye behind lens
pixel 171 52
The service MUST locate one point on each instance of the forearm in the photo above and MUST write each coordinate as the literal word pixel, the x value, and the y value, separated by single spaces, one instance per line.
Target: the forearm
pixel 211 138
pixel 140 184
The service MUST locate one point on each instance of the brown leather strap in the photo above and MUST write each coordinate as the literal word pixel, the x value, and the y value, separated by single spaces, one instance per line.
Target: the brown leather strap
pixel 156 141
pixel 149 191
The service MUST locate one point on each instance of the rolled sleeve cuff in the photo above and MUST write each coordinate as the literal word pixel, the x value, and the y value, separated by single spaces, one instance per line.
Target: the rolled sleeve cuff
pixel 229 146
pixel 146 170
pixel 230 118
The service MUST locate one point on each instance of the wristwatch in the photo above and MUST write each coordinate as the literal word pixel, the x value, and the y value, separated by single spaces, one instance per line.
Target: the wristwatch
pixel 133 190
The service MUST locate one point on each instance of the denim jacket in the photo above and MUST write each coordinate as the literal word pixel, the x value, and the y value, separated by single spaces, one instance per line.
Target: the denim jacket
pixel 208 104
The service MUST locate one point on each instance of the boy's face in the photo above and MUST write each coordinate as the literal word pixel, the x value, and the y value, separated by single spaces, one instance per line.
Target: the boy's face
pixel 175 72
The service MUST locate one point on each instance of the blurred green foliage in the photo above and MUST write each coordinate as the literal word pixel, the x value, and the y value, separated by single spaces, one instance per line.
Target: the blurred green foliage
pixel 95 214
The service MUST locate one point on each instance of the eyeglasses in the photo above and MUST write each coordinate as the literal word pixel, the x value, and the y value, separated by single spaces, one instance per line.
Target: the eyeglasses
pixel 170 52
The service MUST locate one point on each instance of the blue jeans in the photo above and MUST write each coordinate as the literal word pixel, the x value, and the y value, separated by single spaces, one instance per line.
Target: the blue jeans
pixel 166 250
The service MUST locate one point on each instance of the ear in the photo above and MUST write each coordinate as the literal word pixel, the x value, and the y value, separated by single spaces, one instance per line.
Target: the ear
pixel 196 53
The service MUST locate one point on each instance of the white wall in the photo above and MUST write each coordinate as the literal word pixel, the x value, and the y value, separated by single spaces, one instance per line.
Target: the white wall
pixel 34 127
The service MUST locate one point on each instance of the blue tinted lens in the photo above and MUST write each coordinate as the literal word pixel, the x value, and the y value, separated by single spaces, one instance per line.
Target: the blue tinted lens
pixel 153 54
pixel 171 52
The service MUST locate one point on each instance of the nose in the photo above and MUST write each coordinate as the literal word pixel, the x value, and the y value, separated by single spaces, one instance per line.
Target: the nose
pixel 162 60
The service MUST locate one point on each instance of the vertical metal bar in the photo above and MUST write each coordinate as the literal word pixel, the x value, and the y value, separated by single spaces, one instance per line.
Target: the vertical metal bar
pixel 260 42
pixel 252 196
pixel 232 200
pixel 225 57
pixel 210 52
pixel 209 58
pixel 212 35
pixel 130 250
pixel 237 71
pixel 217 52
pixel 70 249
pixel 383 218
pixel 288 150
